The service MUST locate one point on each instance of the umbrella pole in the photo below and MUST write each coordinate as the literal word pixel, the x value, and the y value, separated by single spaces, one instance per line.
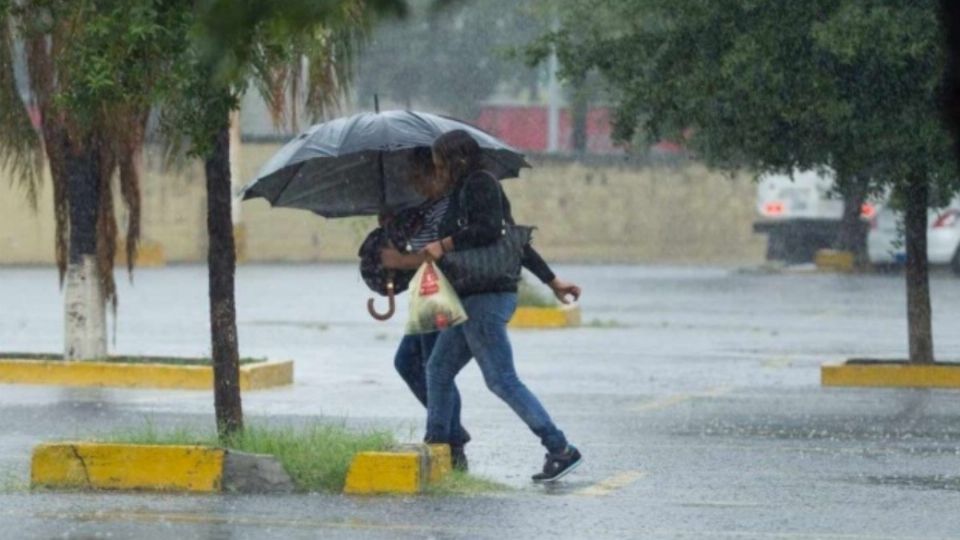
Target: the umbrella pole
pixel 391 300
pixel 390 276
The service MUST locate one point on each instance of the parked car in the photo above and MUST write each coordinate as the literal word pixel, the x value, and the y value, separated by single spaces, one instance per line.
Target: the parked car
pixel 886 245
pixel 800 213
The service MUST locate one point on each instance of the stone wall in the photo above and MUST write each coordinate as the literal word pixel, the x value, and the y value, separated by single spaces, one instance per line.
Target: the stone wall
pixel 605 212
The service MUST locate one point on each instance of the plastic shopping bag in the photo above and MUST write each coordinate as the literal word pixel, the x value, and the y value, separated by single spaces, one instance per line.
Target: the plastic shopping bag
pixel 434 305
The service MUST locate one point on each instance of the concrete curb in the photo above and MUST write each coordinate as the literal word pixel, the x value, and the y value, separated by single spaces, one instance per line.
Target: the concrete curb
pixel 136 467
pixel 890 374
pixel 119 375
pixel 408 469
pixel 831 260
pixel 537 317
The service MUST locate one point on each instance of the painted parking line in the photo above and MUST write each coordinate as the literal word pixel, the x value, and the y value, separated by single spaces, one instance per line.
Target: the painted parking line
pixel 609 485
pixel 670 401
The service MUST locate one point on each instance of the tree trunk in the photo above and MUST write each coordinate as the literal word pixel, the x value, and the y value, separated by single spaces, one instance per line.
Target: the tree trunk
pixel 85 328
pixel 919 325
pixel 221 262
pixel 852 235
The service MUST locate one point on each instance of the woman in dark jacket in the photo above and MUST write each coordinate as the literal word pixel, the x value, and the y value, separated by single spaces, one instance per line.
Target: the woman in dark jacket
pixel 414 351
pixel 477 223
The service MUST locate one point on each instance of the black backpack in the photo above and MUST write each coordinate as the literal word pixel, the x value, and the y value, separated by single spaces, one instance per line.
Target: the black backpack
pixel 396 231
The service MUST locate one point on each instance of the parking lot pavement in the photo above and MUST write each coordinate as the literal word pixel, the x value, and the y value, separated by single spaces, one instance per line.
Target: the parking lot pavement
pixel 693 393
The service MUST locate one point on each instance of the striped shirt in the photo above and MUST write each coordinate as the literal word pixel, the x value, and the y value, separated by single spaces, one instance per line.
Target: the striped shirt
pixel 430 231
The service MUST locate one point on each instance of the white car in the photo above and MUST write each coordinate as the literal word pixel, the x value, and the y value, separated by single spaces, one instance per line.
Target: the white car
pixel 886 244
pixel 800 213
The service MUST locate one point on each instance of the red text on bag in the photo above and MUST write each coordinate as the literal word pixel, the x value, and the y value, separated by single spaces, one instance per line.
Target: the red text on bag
pixel 428 283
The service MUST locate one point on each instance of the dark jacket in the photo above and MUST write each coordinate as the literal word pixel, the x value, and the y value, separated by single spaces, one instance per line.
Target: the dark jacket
pixel 478 221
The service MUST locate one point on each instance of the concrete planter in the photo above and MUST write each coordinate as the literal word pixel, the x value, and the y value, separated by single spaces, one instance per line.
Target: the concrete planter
pixel 253 376
pixel 543 317
pixel 890 373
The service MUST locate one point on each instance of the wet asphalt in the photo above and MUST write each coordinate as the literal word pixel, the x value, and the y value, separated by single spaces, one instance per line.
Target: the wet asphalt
pixel 693 393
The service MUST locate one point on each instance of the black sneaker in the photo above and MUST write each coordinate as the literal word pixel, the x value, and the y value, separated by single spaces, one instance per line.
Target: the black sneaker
pixel 559 465
pixel 458 458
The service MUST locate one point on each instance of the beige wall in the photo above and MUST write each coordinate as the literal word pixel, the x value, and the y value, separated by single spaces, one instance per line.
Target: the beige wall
pixel 602 213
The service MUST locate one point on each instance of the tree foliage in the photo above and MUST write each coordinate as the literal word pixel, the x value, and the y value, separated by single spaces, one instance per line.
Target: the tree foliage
pixel 94 68
pixel 771 86
pixel 452 57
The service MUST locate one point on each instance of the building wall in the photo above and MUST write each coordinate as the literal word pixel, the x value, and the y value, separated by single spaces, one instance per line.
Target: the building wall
pixel 611 212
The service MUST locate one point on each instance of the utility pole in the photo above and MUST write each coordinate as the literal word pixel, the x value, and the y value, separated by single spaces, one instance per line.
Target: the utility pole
pixel 553 97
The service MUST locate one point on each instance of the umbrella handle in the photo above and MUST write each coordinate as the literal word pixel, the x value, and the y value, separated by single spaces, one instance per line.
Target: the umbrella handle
pixel 391 306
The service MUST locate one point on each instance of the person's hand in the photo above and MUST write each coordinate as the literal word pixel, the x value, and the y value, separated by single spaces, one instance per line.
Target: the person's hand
pixel 434 251
pixel 562 289
pixel 390 257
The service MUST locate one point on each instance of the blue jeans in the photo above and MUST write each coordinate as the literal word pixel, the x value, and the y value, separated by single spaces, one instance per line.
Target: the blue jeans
pixel 484 337
pixel 411 364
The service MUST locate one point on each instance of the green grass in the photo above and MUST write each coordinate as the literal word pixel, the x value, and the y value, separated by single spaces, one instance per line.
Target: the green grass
pixel 530 295
pixel 316 456
pixel 169 360
pixel 461 483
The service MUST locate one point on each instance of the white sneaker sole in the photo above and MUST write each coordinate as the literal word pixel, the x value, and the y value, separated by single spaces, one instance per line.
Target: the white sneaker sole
pixel 567 471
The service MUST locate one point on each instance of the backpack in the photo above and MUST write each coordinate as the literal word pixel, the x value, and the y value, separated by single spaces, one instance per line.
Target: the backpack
pixel 396 231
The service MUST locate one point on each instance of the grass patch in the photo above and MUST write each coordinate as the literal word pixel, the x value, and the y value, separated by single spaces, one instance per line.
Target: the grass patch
pixel 168 360
pixel 530 295
pixel 461 483
pixel 315 456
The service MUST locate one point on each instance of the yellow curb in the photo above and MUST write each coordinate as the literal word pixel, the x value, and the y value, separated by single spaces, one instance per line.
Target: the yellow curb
pixel 149 254
pixel 406 470
pixel 440 463
pixel 266 375
pixel 119 375
pixel 890 375
pixel 536 317
pixel 384 472
pixel 127 467
pixel 830 260
pixel 240 242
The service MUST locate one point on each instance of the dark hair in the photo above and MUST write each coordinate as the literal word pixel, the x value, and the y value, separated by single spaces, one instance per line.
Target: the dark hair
pixel 422 171
pixel 458 152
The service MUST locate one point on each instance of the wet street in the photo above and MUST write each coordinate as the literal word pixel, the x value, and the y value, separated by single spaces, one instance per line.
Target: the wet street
pixel 693 394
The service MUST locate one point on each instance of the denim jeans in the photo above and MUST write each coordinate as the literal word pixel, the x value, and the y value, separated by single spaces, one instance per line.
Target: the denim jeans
pixel 484 337
pixel 411 364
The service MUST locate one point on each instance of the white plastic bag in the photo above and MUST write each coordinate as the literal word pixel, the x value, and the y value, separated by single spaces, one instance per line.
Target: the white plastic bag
pixel 434 305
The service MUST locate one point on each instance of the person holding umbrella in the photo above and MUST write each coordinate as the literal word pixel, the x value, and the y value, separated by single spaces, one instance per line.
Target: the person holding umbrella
pixel 414 351
pixel 477 216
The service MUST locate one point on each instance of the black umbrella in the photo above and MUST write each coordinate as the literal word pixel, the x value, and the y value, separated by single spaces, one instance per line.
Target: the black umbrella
pixel 359 165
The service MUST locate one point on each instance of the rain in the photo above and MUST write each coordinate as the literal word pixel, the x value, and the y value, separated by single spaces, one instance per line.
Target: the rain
pixel 480 269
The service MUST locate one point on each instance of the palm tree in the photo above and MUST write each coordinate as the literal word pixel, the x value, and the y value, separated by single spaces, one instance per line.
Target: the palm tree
pixel 92 68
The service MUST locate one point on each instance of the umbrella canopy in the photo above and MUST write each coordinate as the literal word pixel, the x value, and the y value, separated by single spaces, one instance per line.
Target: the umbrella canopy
pixel 359 165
